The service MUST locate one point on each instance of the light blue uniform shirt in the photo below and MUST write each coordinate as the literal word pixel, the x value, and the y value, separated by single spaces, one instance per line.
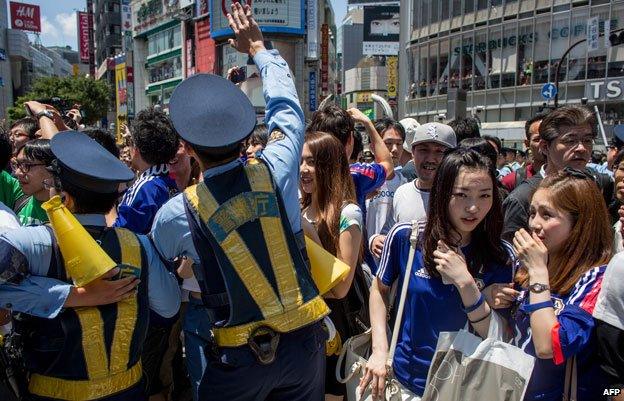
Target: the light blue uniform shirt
pixel 44 297
pixel 171 233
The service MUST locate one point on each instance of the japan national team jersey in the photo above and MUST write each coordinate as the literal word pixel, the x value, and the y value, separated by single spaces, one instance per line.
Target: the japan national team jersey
pixel 430 306
pixel 574 334
pixel 367 177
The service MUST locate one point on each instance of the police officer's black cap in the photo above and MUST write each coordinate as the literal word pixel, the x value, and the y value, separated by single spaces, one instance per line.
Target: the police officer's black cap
pixel 618 136
pixel 211 113
pixel 84 163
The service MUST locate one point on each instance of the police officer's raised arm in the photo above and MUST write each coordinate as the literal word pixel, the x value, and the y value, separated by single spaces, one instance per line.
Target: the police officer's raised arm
pixel 284 117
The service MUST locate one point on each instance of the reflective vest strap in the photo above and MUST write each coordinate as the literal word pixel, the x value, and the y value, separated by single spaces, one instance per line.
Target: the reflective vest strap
pixel 127 309
pixel 283 266
pixel 238 254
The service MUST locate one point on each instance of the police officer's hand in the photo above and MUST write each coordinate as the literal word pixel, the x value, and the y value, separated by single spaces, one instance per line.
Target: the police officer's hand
pixel 102 291
pixel 248 35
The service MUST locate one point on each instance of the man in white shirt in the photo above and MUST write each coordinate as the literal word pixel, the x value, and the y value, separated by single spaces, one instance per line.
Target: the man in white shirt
pixel 411 200
pixel 379 207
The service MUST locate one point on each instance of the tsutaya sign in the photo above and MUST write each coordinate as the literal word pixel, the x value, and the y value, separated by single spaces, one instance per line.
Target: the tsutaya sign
pixel 610 89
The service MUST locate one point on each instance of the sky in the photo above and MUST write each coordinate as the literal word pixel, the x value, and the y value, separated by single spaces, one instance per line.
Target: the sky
pixel 59 25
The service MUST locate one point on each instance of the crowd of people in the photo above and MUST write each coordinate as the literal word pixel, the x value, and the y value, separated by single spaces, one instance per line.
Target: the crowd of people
pixel 206 215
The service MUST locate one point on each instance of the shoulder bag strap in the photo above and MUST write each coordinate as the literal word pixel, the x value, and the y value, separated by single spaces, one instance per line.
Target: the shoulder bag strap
pixel 408 272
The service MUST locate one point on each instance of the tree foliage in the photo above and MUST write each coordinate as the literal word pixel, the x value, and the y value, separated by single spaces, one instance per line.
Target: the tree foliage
pixel 91 94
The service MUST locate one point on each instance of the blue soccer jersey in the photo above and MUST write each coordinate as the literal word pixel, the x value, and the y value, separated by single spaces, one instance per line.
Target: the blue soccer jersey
pixel 430 307
pixel 573 335
pixel 367 177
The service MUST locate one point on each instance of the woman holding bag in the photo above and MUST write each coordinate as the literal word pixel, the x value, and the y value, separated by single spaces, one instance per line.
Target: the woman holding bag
pixel 459 253
pixel 563 261
pixel 328 203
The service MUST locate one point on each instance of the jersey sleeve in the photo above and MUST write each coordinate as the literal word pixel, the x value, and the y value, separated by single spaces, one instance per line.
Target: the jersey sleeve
pixel 390 263
pixel 575 322
pixel 351 215
pixel 367 176
pixel 138 216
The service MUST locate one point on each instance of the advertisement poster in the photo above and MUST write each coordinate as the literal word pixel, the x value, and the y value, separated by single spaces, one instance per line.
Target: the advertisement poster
pixel 381 30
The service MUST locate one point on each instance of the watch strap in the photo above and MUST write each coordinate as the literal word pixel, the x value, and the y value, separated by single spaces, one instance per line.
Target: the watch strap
pixel 538 287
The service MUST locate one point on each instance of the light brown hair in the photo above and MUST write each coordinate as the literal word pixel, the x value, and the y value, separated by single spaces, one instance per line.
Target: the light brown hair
pixel 590 241
pixel 334 186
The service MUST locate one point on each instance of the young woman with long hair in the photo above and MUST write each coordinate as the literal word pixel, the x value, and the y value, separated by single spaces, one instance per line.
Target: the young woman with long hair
pixel 458 254
pixel 563 260
pixel 328 203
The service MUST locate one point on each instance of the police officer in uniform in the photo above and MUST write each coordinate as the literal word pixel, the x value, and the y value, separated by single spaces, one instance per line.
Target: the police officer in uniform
pixel 242 228
pixel 84 343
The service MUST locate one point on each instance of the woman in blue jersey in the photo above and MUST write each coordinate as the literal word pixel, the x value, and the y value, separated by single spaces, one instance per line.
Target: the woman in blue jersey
pixel 329 204
pixel 563 260
pixel 458 254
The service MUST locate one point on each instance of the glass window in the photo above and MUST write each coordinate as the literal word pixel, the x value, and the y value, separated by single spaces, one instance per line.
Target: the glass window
pixel 422 71
pixel 615 67
pixel 457 8
pixel 560 40
pixel 525 39
pixel 454 70
pixel 166 69
pixel 444 8
pixel 426 7
pixel 433 69
pixel 541 49
pixel 443 80
pixel 577 67
pixel 480 60
pixel 469 6
pixel 509 56
pixel 494 56
pixel 467 62
pixel 435 11
pixel 482 4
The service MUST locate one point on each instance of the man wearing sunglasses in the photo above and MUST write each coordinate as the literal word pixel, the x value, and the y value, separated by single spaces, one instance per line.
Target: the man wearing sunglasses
pixel 567 138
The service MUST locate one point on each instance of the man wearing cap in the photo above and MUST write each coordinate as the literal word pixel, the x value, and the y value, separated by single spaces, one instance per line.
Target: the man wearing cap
pixel 411 200
pixel 242 228
pixel 84 343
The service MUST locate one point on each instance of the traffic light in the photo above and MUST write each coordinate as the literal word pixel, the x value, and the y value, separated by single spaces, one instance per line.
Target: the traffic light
pixel 616 38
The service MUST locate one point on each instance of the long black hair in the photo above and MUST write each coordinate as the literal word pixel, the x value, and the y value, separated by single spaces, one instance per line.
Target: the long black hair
pixel 486 238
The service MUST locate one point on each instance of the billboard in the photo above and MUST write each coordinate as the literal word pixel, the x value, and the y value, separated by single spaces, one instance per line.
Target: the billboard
pixel 121 96
pixel 83 36
pixel 274 16
pixel 26 17
pixel 381 30
pixel 364 2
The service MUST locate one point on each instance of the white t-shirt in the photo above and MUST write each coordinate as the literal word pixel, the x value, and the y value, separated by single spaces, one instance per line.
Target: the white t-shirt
pixel 379 208
pixel 610 305
pixel 409 203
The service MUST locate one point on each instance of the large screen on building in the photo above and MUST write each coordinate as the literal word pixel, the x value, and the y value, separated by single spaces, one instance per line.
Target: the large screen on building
pixel 381 30
pixel 277 16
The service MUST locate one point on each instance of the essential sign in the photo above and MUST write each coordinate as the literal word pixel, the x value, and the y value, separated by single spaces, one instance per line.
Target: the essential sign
pixel 83 36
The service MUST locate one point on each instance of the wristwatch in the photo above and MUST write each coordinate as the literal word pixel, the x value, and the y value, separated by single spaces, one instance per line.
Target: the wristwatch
pixel 538 287
pixel 45 113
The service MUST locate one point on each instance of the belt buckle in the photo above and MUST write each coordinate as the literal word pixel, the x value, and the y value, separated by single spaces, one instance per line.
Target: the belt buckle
pixel 263 342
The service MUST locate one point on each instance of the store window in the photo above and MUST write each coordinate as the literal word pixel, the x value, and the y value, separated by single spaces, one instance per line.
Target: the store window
pixel 433 69
pixel 560 35
pixel 457 8
pixel 166 69
pixel 509 55
pixel 422 71
pixel 577 60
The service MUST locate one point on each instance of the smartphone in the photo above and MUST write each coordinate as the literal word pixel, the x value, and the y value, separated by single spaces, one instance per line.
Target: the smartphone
pixel 239 75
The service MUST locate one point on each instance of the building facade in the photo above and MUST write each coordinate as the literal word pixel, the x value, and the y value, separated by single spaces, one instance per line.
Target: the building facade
pixel 502 52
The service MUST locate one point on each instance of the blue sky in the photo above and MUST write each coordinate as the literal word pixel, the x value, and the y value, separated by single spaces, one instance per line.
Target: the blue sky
pixel 59 26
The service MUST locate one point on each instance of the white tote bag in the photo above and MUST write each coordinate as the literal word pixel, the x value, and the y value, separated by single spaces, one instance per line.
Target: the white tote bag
pixel 465 367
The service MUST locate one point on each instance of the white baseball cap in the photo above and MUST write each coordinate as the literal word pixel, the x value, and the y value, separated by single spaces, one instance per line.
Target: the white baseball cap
pixel 409 125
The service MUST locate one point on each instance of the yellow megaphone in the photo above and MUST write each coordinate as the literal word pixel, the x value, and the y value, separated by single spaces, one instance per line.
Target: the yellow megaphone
pixel 84 259
pixel 327 270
